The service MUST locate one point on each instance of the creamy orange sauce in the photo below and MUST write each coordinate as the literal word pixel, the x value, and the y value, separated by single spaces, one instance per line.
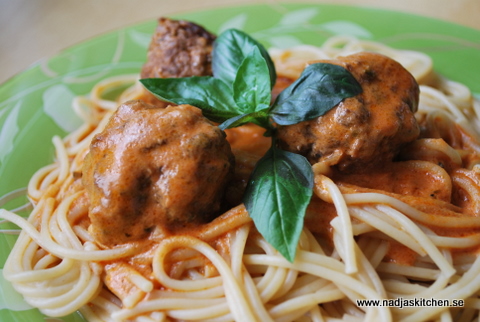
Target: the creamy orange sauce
pixel 214 233
pixel 400 254
pixel 249 138
pixel 470 146
pixel 318 216
pixel 410 178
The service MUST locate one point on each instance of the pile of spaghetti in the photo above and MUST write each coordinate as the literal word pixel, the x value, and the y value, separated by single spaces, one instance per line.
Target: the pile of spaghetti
pixel 362 239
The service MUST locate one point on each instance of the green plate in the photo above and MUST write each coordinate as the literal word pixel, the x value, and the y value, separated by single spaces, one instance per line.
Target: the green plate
pixel 31 103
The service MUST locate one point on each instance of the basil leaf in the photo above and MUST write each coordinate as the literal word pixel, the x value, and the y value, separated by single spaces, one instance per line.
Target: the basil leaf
pixel 277 195
pixel 260 118
pixel 251 87
pixel 230 49
pixel 319 89
pixel 211 95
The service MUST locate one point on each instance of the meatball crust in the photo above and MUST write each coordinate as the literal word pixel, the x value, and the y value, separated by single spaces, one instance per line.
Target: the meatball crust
pixel 154 167
pixel 365 130
pixel 179 49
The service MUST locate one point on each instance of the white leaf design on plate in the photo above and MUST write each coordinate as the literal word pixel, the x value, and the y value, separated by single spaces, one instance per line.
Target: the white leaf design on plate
pixel 342 27
pixel 286 41
pixel 57 103
pixel 299 17
pixel 140 38
pixel 8 132
pixel 9 298
pixel 237 22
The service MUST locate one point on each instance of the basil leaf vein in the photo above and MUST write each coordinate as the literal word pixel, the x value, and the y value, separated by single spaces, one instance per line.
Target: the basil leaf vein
pixel 230 49
pixel 251 88
pixel 211 95
pixel 276 197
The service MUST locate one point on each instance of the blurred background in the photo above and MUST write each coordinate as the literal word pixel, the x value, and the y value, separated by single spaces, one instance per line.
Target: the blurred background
pixel 33 29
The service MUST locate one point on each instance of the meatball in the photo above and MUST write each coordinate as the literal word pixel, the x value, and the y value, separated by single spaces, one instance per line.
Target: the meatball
pixel 153 167
pixel 179 49
pixel 365 130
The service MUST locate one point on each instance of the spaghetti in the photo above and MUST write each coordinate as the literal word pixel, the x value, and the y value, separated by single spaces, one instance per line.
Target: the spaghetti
pixel 359 241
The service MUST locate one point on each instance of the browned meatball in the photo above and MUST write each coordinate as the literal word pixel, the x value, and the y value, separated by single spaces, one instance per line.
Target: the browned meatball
pixel 154 167
pixel 365 130
pixel 179 49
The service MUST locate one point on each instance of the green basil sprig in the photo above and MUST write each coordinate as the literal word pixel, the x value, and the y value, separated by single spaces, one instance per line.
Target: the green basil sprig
pixel 229 51
pixel 239 92
pixel 277 196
